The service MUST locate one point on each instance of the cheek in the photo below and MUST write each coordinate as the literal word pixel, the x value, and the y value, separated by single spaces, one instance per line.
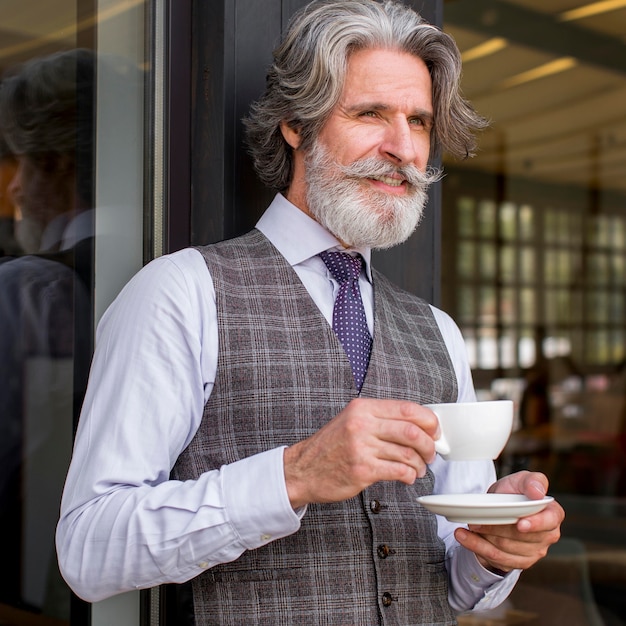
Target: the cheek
pixel 350 147
pixel 423 150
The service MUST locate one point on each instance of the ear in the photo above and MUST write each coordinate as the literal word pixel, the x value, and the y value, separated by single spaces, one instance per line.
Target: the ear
pixel 291 134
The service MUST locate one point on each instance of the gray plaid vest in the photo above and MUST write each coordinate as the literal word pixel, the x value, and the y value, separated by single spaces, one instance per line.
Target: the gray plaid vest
pixel 282 374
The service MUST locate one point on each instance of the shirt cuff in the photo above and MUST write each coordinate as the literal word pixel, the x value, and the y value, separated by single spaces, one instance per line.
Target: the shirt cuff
pixel 474 587
pixel 256 499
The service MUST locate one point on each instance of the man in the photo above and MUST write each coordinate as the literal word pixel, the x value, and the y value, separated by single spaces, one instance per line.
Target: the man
pixel 294 476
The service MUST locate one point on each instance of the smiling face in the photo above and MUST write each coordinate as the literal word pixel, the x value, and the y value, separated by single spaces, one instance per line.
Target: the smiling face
pixel 371 153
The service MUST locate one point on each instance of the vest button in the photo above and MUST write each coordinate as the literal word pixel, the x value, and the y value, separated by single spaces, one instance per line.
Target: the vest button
pixel 375 506
pixel 387 599
pixel 383 551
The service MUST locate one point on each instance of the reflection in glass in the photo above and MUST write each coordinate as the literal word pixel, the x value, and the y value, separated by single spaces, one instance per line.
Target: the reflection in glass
pixel 46 120
pixel 48 91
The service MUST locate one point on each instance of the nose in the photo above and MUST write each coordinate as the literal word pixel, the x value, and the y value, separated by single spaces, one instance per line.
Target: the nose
pixel 402 144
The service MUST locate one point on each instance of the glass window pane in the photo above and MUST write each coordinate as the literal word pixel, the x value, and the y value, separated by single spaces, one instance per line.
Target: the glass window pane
pixel 487 306
pixel 618 230
pixel 466 216
pixel 552 266
pixel 487 266
pixel 618 342
pixel 527 305
pixel 471 347
pixel 615 315
pixel 598 346
pixel 527 266
pixel 64 189
pixel 597 305
pixel 508 353
pixel 508 305
pixel 526 222
pixel 618 276
pixel 486 218
pixel 508 264
pixel 598 268
pixel 466 260
pixel 47 103
pixel 552 226
pixel 487 349
pixel 576 223
pixel 508 220
pixel 467 306
pixel 527 349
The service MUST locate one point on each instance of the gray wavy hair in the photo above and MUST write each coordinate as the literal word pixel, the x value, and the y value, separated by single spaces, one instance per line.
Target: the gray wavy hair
pixel 306 79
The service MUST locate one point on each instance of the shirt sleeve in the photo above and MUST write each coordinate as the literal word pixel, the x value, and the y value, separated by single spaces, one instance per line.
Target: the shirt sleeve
pixel 471 586
pixel 124 524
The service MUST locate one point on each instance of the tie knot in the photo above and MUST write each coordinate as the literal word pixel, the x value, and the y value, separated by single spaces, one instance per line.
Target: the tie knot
pixel 343 266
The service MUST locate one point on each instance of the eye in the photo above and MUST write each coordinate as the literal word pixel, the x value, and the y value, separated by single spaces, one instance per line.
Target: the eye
pixel 368 114
pixel 421 122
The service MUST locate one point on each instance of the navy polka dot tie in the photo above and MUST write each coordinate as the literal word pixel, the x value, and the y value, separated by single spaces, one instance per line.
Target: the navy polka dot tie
pixel 349 322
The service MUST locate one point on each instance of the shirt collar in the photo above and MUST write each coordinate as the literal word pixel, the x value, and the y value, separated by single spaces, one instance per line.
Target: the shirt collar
pixel 299 237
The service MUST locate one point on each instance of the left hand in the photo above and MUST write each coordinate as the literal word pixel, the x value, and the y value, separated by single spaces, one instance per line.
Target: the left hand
pixel 520 545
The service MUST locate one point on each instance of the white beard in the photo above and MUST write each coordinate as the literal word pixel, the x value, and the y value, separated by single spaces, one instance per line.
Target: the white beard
pixel 336 197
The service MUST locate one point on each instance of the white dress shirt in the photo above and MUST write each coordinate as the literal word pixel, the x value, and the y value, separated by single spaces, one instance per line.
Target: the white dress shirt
pixel 124 524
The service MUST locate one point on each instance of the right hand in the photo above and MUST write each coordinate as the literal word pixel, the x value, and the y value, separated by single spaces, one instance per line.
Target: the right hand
pixel 369 441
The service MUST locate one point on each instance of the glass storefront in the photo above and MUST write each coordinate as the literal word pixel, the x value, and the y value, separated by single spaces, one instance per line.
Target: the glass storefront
pixel 71 122
pixel 534 269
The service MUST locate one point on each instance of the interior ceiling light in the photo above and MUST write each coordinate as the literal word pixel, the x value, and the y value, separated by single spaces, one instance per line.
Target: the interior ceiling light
pixel 491 46
pixel 593 8
pixel 548 69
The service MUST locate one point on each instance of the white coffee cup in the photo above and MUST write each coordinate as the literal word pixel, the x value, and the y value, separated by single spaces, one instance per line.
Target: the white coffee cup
pixel 473 430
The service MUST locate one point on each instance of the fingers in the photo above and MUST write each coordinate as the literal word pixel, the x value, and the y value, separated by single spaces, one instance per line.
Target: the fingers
pixel 368 442
pixel 515 546
pixel 502 553
pixel 533 485
pixel 550 518
pixel 396 410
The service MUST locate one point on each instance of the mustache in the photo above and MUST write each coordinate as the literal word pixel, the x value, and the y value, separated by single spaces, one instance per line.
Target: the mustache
pixel 373 168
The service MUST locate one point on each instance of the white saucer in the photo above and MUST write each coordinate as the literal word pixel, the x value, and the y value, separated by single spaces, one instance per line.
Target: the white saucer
pixel 483 508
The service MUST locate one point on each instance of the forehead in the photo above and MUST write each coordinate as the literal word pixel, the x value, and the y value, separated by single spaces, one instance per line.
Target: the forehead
pixel 387 77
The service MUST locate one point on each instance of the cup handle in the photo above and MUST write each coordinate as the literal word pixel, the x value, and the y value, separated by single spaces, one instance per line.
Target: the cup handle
pixel 442 446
